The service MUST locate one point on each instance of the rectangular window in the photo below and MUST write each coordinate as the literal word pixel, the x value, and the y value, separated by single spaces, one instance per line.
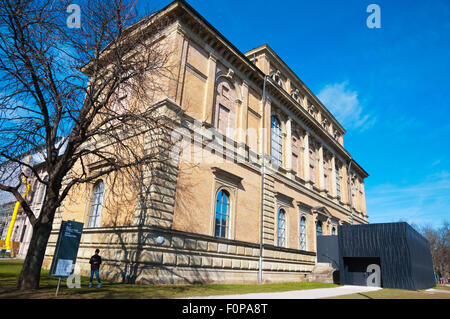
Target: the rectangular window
pixel 325 176
pixel 312 165
pixel 338 182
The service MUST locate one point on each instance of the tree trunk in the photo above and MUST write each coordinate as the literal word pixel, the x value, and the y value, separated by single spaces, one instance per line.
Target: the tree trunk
pixel 31 270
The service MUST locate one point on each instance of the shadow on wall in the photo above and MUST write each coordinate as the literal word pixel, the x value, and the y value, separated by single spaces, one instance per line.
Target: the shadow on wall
pixel 143 257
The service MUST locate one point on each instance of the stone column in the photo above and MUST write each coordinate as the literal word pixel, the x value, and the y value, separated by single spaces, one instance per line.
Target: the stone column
pixel 184 43
pixel 208 100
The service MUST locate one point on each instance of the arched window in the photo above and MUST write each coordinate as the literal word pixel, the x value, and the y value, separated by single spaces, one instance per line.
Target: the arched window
pixel 276 142
pixel 222 214
pixel 319 228
pixel 281 228
pixel 303 233
pixel 96 204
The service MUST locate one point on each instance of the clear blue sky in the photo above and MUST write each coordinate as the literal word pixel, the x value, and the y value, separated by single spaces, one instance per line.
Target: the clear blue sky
pixel 389 87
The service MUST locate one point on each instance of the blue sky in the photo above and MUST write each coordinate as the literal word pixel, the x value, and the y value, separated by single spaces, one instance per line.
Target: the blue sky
pixel 389 87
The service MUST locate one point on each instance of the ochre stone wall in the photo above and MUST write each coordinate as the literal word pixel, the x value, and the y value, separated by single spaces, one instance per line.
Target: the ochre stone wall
pixel 180 197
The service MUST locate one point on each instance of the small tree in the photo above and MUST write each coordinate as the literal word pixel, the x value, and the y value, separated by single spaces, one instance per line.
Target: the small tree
pixel 84 94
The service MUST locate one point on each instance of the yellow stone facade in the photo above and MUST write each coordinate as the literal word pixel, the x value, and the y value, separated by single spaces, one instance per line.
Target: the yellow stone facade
pixel 216 102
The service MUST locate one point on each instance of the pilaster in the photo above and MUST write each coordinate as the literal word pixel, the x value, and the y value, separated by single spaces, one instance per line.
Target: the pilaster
pixel 208 101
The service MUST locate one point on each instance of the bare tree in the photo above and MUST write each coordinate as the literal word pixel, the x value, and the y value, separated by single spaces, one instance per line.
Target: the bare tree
pixel 82 97
pixel 439 239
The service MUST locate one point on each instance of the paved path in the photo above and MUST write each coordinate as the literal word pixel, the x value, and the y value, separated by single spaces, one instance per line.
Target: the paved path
pixel 438 290
pixel 298 294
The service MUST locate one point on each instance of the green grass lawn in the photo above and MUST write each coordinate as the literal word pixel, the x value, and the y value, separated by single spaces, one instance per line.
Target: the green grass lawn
pixel 10 270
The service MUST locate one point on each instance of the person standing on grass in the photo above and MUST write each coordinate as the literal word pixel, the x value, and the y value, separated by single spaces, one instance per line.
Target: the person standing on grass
pixel 95 262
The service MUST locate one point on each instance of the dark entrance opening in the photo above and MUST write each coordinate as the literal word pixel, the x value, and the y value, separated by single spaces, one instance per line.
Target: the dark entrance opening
pixel 356 269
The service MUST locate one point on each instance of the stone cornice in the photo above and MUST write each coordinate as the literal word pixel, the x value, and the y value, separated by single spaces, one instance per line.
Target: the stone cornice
pixel 223 174
pixel 265 48
pixel 190 18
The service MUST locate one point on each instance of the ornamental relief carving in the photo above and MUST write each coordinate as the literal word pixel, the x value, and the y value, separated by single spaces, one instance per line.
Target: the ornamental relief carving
pixel 276 77
pixel 312 110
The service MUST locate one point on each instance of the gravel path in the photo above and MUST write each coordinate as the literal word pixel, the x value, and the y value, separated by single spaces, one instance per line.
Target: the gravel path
pixel 298 294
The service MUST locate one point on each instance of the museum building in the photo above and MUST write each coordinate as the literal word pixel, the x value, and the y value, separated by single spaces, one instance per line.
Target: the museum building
pixel 216 220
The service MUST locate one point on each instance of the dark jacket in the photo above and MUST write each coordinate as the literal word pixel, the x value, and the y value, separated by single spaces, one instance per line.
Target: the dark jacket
pixel 95 258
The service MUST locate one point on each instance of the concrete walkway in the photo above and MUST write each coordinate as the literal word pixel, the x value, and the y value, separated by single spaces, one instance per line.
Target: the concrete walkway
pixel 298 294
pixel 438 290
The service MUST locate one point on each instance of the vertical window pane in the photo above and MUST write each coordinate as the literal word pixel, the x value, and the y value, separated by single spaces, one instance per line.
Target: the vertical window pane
pixel 96 204
pixel 303 233
pixel 338 182
pixel 276 142
pixel 281 228
pixel 222 210
pixel 319 228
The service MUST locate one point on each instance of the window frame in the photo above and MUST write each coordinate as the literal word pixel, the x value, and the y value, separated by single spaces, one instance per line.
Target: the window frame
pixel 283 238
pixel 97 202
pixel 227 214
pixel 302 232
pixel 276 137
pixel 321 228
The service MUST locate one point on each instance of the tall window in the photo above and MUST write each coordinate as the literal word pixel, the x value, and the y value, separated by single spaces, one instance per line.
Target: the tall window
pixel 42 190
pixel 319 228
pixel 312 162
pixel 333 231
pixel 303 233
pixel 338 182
pixel 281 228
pixel 276 142
pixel 222 214
pixel 353 191
pixel 296 154
pixel 326 173
pixel 225 111
pixel 96 204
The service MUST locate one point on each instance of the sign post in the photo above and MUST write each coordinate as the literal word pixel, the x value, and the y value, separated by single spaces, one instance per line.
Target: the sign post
pixel 65 256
